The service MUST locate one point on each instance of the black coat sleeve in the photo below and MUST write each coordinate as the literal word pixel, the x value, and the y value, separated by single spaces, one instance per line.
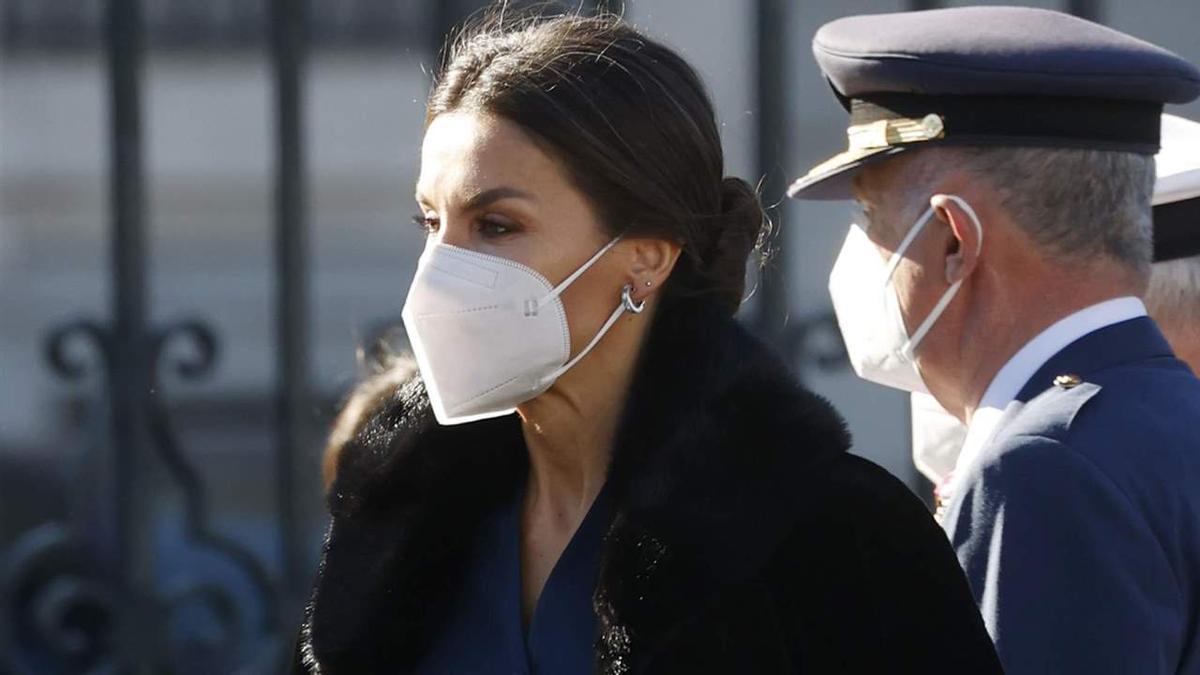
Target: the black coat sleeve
pixel 868 583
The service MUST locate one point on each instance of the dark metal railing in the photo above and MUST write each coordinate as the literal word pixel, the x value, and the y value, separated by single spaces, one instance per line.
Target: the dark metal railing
pixel 771 160
pixel 809 339
pixel 1093 10
pixel 83 596
pixel 87 594
pixel 288 45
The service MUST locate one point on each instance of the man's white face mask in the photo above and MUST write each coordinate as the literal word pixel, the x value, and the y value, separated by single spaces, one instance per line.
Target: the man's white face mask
pixel 937 438
pixel 868 309
pixel 490 333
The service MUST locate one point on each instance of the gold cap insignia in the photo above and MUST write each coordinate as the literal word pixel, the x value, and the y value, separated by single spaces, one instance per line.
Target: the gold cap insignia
pixel 874 137
pixel 886 133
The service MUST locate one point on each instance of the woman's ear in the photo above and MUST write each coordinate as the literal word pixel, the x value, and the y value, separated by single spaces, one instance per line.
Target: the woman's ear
pixel 964 226
pixel 651 262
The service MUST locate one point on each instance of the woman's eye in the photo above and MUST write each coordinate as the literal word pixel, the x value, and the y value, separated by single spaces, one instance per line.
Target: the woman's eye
pixel 428 224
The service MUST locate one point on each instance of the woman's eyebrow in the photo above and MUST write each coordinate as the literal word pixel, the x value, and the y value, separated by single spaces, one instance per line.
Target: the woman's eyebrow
pixel 482 199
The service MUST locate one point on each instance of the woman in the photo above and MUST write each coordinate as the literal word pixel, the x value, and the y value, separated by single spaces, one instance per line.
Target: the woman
pixel 666 497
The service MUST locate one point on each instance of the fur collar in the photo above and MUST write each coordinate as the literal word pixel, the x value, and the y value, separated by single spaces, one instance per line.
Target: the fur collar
pixel 707 477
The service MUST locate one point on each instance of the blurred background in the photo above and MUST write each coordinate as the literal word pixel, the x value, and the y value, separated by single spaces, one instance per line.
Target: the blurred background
pixel 204 215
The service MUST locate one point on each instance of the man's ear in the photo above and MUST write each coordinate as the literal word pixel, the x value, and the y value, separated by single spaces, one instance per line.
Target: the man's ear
pixel 650 263
pixel 964 225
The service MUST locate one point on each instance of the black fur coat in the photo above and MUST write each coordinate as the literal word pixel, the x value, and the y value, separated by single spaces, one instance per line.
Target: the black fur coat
pixel 745 538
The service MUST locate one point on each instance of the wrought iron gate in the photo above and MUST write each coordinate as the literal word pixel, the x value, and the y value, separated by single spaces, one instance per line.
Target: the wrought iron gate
pixel 85 594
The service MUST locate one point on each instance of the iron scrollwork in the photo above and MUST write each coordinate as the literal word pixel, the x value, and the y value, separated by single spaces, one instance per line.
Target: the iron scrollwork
pixel 64 610
pixel 220 601
pixel 58 614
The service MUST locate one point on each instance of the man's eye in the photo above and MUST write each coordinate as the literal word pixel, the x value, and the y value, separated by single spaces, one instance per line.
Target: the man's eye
pixel 428 224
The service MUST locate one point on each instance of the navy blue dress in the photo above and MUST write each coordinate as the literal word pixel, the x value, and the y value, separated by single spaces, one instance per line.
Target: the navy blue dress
pixel 485 633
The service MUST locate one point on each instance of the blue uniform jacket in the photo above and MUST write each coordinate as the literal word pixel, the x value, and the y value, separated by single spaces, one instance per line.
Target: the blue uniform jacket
pixel 1079 524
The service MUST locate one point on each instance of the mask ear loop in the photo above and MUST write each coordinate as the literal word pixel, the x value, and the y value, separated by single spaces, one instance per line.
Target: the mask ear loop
pixel 558 290
pixel 894 261
pixel 627 305
pixel 909 349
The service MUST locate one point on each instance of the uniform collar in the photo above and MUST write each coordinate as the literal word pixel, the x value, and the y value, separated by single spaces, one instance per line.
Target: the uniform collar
pixel 1136 339
pixel 1013 376
pixel 1033 367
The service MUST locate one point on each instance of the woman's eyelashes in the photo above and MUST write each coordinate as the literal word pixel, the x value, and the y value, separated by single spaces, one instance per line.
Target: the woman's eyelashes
pixel 489 226
pixel 427 223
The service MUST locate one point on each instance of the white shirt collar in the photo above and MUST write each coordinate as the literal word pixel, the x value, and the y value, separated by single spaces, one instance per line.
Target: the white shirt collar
pixel 1015 374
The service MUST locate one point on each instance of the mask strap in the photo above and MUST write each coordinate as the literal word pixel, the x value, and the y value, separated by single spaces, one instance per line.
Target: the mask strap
pixel 578 273
pixel 910 348
pixel 626 305
pixel 894 261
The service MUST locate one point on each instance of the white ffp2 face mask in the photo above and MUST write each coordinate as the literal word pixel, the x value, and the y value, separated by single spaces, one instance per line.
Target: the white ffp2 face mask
pixel 868 309
pixel 490 333
pixel 937 438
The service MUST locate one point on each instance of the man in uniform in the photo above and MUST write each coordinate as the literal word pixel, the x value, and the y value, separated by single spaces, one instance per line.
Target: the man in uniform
pixel 1172 297
pixel 1003 158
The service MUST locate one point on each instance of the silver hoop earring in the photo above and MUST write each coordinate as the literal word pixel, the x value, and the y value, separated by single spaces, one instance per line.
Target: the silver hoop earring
pixel 627 301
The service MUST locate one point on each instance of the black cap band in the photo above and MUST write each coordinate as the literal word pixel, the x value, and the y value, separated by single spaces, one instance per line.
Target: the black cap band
pixel 1177 230
pixel 1032 121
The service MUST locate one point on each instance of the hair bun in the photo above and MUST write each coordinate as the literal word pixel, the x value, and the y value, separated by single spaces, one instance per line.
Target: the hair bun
pixel 741 228
pixel 741 207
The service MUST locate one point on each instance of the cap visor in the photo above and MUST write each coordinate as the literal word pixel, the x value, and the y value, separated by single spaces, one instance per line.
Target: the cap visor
pixel 834 178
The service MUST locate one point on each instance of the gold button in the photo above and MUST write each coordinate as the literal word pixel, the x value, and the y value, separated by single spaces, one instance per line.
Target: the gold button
pixel 1068 381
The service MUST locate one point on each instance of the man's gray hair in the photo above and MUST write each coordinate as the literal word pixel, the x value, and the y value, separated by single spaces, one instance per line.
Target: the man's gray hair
pixel 1075 204
pixel 1173 296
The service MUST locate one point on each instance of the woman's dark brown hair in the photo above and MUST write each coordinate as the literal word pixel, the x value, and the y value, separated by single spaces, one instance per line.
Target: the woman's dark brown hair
pixel 633 125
